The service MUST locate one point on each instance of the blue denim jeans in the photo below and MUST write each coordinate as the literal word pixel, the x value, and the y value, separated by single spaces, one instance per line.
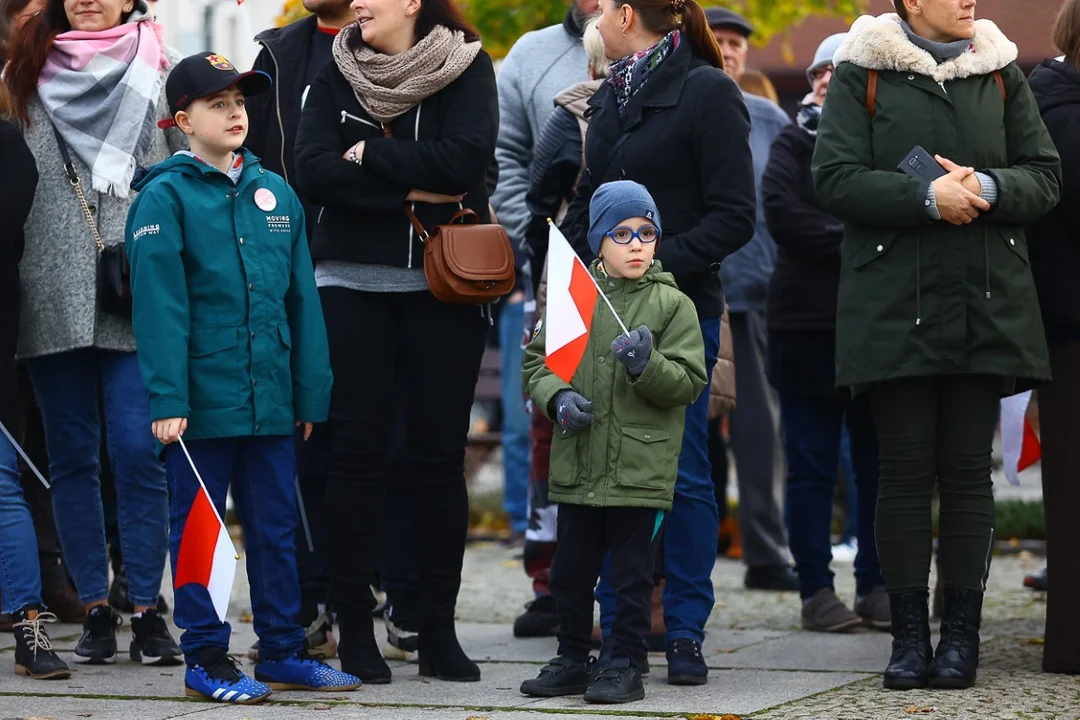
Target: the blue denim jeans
pixel 68 386
pixel 261 471
pixel 812 432
pixel 690 529
pixel 20 576
pixel 515 427
pixel 851 493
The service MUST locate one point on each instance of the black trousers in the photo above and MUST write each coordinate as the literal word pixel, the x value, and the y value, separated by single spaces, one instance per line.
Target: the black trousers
pixel 586 536
pixel 1061 498
pixel 935 429
pixel 391 351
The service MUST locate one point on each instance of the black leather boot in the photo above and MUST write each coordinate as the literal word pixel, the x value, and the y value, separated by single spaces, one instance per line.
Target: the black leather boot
pixel 440 653
pixel 957 656
pixel 911 649
pixel 357 647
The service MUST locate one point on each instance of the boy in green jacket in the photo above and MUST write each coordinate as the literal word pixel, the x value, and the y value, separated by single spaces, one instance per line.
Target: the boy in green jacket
pixel 615 461
pixel 233 352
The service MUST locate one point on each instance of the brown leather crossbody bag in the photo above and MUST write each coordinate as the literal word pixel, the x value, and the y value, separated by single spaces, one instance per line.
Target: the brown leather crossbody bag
pixel 466 262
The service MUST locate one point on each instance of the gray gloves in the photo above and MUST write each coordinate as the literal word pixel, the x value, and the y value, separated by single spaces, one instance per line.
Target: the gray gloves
pixel 572 411
pixel 633 350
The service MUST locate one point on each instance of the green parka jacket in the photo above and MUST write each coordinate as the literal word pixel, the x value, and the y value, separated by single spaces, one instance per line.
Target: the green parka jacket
pixel 922 297
pixel 630 455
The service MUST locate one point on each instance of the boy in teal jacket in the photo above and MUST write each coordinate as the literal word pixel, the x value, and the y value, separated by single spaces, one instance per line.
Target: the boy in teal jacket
pixel 233 351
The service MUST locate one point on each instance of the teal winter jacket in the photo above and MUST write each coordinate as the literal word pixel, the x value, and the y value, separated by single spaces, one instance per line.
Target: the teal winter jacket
pixel 228 324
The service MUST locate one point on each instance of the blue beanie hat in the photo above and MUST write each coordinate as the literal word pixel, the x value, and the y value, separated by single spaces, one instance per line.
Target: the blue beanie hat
pixel 617 201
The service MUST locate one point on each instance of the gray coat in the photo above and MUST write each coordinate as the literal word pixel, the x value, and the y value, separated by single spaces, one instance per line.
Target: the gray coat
pixel 58 272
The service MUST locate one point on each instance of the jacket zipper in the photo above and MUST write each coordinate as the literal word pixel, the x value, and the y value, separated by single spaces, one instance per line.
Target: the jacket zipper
pixel 986 258
pixel 416 136
pixel 918 278
pixel 277 103
pixel 346 115
pixel 318 221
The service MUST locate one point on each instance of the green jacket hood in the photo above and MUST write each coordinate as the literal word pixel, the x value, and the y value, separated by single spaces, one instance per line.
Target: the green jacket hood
pixel 655 275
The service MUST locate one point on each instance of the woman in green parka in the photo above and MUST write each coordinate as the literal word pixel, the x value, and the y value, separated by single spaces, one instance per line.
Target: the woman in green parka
pixel 937 313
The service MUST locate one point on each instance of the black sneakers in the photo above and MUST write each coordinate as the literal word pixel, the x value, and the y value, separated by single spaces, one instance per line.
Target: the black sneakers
pixel 97 646
pixel 34 656
pixel 619 682
pixel 562 676
pixel 151 643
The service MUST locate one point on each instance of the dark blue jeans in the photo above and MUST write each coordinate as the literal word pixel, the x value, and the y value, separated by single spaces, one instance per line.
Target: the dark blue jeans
pixel 20 575
pixel 812 434
pixel 691 527
pixel 262 471
pixel 67 388
pixel 515 419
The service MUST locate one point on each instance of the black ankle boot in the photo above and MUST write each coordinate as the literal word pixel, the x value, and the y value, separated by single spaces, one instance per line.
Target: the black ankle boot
pixel 34 654
pixel 357 648
pixel 441 656
pixel 911 649
pixel 957 656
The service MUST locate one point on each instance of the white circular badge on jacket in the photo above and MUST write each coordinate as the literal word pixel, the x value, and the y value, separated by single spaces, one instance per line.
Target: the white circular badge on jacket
pixel 265 199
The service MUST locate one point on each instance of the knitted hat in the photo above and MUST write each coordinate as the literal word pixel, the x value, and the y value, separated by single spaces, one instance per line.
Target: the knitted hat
pixel 825 52
pixel 617 201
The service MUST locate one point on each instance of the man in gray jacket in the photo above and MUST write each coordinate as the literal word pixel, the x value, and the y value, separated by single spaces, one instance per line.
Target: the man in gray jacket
pixel 755 422
pixel 539 66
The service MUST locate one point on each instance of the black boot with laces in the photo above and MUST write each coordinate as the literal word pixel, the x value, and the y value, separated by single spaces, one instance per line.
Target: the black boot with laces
pixel 911 649
pixel 957 656
pixel 151 643
pixel 34 656
pixel 686 664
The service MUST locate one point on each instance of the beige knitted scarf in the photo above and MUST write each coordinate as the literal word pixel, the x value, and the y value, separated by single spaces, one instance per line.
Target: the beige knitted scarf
pixel 388 86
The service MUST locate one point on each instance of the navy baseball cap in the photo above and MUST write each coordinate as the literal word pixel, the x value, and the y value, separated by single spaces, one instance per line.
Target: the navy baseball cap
pixel 207 74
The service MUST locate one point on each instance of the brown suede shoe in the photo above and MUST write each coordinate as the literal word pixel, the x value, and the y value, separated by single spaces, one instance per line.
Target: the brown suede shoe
pixel 825 612
pixel 874 609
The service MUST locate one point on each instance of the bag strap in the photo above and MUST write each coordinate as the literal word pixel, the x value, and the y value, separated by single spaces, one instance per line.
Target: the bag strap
pixel 871 89
pixel 871 92
pixel 73 178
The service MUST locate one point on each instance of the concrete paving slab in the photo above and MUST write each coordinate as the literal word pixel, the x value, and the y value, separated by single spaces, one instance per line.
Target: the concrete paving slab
pixel 739 692
pixel 75 708
pixel 268 712
pixel 863 651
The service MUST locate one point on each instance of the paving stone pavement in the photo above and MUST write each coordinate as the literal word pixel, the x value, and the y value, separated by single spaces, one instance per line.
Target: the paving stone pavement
pixel 762 666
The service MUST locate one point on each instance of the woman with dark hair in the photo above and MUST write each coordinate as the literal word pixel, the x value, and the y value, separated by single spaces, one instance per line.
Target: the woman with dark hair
pixel 87 80
pixel 20 575
pixel 1055 263
pixel 669 118
pixel 405 118
pixel 937 313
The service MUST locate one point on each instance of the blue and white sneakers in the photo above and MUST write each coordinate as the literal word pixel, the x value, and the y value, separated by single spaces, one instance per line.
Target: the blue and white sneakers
pixel 301 672
pixel 217 677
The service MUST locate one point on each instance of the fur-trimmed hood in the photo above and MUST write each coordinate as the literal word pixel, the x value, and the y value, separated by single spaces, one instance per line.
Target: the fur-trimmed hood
pixel 880 43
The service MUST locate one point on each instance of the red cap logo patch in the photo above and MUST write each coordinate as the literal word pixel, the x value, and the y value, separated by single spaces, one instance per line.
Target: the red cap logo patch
pixel 219 62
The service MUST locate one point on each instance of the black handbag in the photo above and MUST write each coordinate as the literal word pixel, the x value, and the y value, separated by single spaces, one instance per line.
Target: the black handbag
pixel 114 271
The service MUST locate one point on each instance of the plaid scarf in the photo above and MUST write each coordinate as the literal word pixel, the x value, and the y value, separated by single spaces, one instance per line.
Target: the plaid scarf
pixel 101 91
pixel 629 75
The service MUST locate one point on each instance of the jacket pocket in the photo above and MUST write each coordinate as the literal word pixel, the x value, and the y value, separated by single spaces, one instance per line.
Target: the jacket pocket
pixel 283 365
pixel 648 459
pixel 216 375
pixel 568 467
pixel 1016 243
pixel 875 247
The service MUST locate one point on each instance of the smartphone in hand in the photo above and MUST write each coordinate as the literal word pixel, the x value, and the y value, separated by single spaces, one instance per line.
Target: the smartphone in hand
pixel 921 164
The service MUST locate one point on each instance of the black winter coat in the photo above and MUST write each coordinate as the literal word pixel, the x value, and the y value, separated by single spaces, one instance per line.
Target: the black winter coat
pixel 1054 241
pixel 445 145
pixel 689 143
pixel 802 293
pixel 17 189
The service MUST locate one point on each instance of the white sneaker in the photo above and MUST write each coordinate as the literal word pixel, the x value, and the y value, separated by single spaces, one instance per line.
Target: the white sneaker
pixel 845 552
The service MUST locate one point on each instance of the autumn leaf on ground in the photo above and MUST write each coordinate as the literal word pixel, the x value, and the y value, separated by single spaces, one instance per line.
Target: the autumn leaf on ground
pixel 713 717
pixel 322 707
pixel 916 710
pixel 1036 641
pixel 246 616
pixel 475 717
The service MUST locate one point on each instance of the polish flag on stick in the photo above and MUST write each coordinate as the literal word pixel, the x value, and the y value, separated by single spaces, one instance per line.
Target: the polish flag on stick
pixel 207 556
pixel 1019 444
pixel 571 302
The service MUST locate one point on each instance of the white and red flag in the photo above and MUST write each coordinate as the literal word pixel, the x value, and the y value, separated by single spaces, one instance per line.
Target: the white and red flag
pixel 1019 444
pixel 571 302
pixel 207 556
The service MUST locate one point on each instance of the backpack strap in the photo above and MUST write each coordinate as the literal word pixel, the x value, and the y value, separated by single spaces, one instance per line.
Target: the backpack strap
pixel 871 92
pixel 1001 86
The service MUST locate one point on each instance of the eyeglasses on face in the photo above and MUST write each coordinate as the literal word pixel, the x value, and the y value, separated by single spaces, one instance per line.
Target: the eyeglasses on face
pixel 821 71
pixel 623 235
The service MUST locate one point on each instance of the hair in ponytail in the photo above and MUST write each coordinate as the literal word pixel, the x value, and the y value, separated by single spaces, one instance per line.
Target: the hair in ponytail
pixel 663 16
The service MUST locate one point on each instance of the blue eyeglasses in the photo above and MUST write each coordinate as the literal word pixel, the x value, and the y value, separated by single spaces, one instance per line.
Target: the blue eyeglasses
pixel 623 235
